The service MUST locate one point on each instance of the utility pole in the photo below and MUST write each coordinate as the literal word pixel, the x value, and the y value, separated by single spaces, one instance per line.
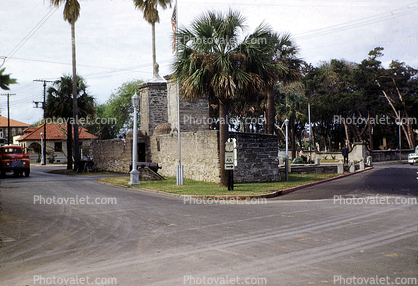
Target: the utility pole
pixel 8 116
pixel 44 108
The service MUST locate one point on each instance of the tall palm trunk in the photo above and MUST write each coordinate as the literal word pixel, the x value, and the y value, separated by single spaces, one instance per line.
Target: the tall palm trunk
pixel 75 106
pixel 270 110
pixel 69 146
pixel 223 136
pixel 154 57
pixel 293 135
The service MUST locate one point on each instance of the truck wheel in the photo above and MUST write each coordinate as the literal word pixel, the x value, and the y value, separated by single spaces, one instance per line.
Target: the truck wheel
pixel 27 172
pixel 3 173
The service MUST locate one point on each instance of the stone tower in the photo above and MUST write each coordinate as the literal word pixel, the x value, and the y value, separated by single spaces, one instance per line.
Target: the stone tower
pixel 153 105
pixel 159 104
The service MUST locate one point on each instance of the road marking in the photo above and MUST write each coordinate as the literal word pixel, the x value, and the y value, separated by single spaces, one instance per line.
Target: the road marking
pixel 6 238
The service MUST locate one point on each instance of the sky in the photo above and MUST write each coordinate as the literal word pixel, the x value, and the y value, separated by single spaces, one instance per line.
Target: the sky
pixel 114 41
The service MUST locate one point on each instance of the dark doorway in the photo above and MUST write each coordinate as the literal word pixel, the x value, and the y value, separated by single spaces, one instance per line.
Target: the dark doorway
pixel 141 152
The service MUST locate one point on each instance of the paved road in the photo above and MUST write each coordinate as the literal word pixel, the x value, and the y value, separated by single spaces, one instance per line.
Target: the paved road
pixel 152 239
pixel 384 179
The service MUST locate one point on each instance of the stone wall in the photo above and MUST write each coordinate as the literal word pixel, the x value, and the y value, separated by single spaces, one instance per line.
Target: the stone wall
pixel 257 158
pixel 325 155
pixel 153 105
pixel 112 155
pixel 358 152
pixel 389 155
pixel 257 155
pixel 309 169
pixel 115 155
pixel 200 154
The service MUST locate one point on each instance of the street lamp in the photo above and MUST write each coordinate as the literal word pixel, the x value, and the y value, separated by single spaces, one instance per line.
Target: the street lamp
pixel 286 122
pixel 399 123
pixel 134 172
pixel 310 132
pixel 42 148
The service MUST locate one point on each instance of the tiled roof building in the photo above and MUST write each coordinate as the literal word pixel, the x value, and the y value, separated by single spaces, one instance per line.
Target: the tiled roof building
pixel 56 142
pixel 16 127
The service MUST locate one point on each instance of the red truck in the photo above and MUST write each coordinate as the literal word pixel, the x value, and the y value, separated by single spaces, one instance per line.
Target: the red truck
pixel 13 158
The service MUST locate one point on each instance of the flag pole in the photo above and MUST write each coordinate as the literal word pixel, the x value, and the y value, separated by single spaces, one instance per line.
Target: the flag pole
pixel 174 25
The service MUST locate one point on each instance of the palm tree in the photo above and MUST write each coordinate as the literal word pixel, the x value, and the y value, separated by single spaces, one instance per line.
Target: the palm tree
pixel 59 101
pixel 149 7
pixel 212 62
pixel 5 80
pixel 71 14
pixel 293 107
pixel 286 69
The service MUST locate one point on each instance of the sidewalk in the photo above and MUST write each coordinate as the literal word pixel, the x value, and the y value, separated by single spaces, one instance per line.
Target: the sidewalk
pixel 47 165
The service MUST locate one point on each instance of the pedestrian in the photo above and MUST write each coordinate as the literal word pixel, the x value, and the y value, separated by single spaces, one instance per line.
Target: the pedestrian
pixel 344 151
pixel 302 156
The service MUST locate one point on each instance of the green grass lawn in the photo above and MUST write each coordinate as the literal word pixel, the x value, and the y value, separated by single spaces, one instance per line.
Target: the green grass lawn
pixel 192 187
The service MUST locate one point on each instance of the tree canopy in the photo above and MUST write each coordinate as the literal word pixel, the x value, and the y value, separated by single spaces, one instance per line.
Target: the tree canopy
pixel 117 111
pixel 361 102
pixel 216 59
pixel 59 104
pixel 5 80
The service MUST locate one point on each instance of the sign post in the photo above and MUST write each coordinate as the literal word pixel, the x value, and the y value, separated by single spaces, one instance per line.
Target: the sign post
pixel 230 160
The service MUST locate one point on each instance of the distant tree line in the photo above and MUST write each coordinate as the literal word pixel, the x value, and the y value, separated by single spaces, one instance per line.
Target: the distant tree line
pixel 350 102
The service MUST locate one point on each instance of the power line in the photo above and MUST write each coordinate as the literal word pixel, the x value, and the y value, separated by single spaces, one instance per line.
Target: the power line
pixel 4 60
pixel 30 34
pixel 61 63
pixel 112 69
pixel 24 88
pixel 25 99
pixel 360 22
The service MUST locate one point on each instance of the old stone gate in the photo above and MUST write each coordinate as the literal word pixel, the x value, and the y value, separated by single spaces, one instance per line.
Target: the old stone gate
pixel 158 141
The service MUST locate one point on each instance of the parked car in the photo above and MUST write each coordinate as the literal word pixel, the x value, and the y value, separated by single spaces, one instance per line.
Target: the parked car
pixel 413 157
pixel 13 158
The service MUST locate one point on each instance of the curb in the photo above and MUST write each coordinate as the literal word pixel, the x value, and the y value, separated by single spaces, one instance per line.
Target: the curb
pixel 283 192
pixel 141 189
pixel 241 197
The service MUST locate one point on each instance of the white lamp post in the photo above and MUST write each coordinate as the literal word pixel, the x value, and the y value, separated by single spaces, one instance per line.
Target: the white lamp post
pixel 42 148
pixel 399 124
pixel 286 122
pixel 310 132
pixel 134 172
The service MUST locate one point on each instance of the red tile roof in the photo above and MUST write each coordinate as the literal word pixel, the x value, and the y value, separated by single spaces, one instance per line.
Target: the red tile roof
pixel 13 123
pixel 29 130
pixel 53 132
